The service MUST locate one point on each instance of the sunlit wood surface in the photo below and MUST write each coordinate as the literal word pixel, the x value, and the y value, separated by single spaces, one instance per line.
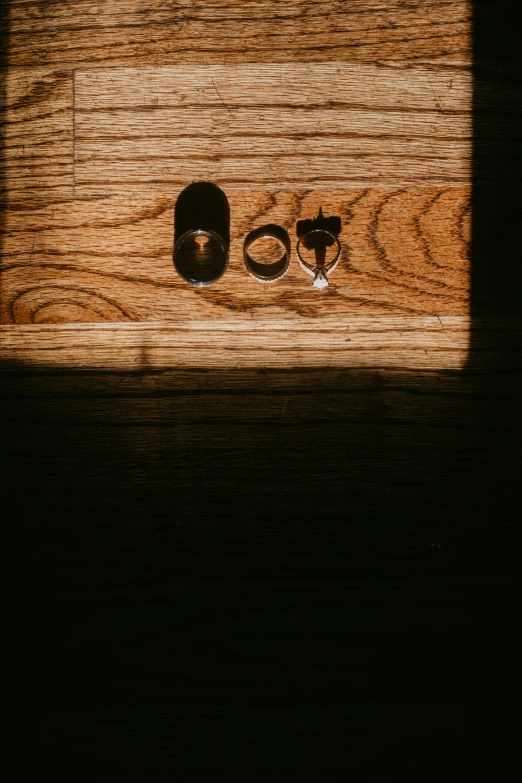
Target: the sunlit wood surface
pixel 112 108
pixel 127 32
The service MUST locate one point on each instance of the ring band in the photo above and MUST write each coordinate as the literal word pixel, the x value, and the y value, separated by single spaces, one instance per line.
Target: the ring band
pixel 200 257
pixel 319 273
pixel 267 273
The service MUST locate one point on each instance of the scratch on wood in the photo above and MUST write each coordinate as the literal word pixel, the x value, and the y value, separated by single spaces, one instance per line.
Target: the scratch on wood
pixel 442 325
pixel 222 101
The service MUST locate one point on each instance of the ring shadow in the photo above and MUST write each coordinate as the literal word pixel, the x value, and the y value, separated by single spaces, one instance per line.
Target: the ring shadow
pixel 201 233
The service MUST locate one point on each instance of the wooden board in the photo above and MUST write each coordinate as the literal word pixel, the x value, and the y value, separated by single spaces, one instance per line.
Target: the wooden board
pixel 36 153
pixel 145 32
pixel 393 342
pixel 405 252
pixel 311 125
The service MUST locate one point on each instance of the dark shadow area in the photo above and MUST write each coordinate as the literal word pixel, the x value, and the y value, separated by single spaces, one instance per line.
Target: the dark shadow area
pixel 496 273
pixel 295 569
pixel 202 206
pixel 495 346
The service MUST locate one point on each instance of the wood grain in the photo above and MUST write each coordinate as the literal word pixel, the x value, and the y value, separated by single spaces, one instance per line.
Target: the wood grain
pixel 307 125
pixel 405 251
pixel 143 32
pixel 357 342
pixel 37 149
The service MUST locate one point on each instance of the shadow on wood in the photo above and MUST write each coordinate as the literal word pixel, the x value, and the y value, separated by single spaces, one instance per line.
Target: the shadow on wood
pixel 496 271
pixel 258 544
pixel 283 557
pixel 201 233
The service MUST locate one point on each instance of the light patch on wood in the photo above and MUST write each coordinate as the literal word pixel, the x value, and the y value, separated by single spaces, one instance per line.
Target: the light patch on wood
pixel 320 125
pixel 394 342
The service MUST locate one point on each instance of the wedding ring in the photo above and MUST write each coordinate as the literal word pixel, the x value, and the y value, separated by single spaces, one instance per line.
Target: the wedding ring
pixel 271 271
pixel 319 271
pixel 200 257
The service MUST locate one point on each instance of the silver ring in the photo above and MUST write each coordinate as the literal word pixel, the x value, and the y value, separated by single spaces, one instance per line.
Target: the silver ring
pixel 267 273
pixel 196 265
pixel 319 272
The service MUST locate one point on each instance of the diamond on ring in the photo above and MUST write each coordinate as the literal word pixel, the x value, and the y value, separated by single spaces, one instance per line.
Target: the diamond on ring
pixel 320 279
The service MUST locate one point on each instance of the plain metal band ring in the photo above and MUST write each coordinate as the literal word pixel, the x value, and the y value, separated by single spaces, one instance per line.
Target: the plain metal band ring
pixel 191 276
pixel 267 273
